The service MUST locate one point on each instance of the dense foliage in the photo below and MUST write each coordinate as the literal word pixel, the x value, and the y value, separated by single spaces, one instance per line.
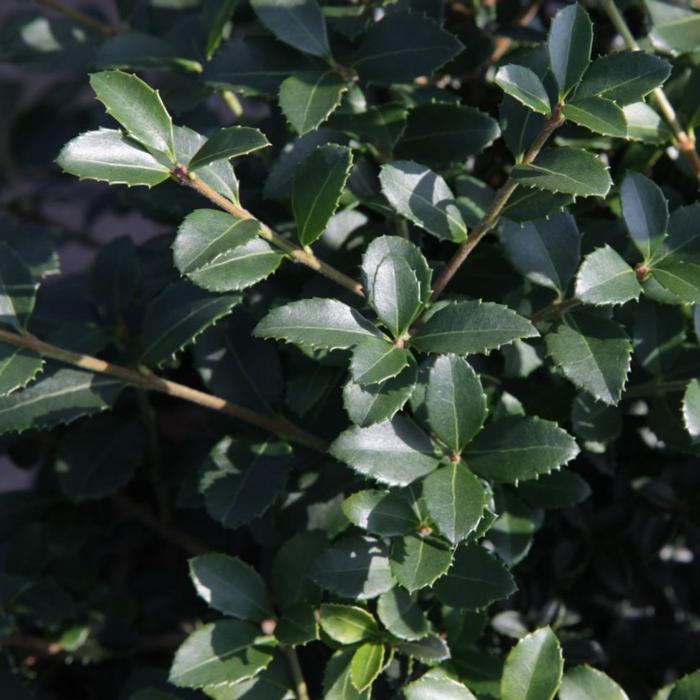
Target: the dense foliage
pixel 401 400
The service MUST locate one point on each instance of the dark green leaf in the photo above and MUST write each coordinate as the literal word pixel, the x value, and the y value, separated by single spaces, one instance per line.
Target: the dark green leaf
pixel 437 687
pixel 567 170
pixel 347 624
pixel 228 143
pixel 598 114
pixel 679 35
pixel 403 46
pixel 272 683
pixel 367 663
pixel 18 366
pixel 291 568
pixel 298 625
pixel 475 580
pixel 429 649
pixel 402 615
pixel 384 513
pixel 519 448
pixel 561 489
pixel 524 85
pixel 645 124
pixel 424 198
pixel 605 278
pixel 308 99
pixel 645 211
pixel 376 360
pixel 519 126
pixel 533 669
pixel 395 452
pixel 230 586
pixel 17 290
pixel 569 43
pixel 109 156
pixel 471 327
pixel 418 561
pixel 586 683
pixel 318 184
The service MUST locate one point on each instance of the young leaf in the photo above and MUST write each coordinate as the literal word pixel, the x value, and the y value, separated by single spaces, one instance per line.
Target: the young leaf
pixel 594 353
pixel 222 652
pixel 624 77
pixel 177 316
pixel 403 46
pixel 394 453
pixel 434 687
pixel 418 561
pixel 109 156
pixel 337 681
pixel 317 323
pixel 524 85
pixel 455 401
pixel 347 624
pixel 307 99
pixel 518 448
pixel 402 615
pixel 138 108
pixel 598 114
pixel 569 44
pixel 533 669
pixel 228 143
pixel 424 198
pixel 230 586
pixel 567 170
pixel 367 663
pixel 376 360
pixel 605 278
pixel 455 500
pixel 299 23
pixel 546 251
pixel 384 513
pixel 586 683
pixel 17 290
pixel 318 185
pixel 354 567
pixel 691 409
pixel 475 580
pixel 645 211
pixel 471 327
pixel 18 366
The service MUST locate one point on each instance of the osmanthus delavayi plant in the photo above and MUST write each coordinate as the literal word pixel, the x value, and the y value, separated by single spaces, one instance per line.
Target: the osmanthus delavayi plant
pixel 408 407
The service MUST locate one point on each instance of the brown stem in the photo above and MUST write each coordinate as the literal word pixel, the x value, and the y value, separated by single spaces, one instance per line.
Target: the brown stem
pixel 279 426
pixel 558 306
pixel 305 257
pixel 490 218
pixel 79 16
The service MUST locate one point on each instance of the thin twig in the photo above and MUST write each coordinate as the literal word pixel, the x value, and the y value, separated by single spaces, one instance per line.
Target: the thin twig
pixel 302 692
pixel 79 16
pixel 151 382
pixel 559 306
pixel 685 142
pixel 305 257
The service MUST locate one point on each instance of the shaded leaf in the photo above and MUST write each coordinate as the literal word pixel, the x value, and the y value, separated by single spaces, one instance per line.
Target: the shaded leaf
pixel 17 290
pixel 18 366
pixel 645 211
pixel 384 513
pixel 402 615
pixel 308 99
pixel 429 649
pixel 298 625
pixel 418 561
pixel 228 143
pixel 291 568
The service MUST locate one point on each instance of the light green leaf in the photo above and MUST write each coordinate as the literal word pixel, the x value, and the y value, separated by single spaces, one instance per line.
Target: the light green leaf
pixel 402 615
pixel 230 586
pixel 679 35
pixel 403 46
pixel 455 401
pixel 475 580
pixel 605 278
pixel 434 687
pixel 567 170
pixel 223 652
pixel 546 251
pixel 594 352
pixel 471 327
pixel 424 198
pixel 308 99
pixel 109 156
pixel 384 513
pixel 396 452
pixel 533 669
pixel 59 395
pixel 177 316
pixel 17 290
pixel 347 624
pixel 524 85
pixel 317 323
pixel 586 683
pixel 569 44
pixel 518 448
pixel 691 409
pixel 418 561
pixel 354 567
pixel 138 108
pixel 455 500
pixel 318 185
pixel 624 77
pixel 367 663
pixel 687 688
pixel 645 211
pixel 228 143
pixel 337 681
pixel 18 366
pixel 598 114
pixel 299 23
pixel 376 359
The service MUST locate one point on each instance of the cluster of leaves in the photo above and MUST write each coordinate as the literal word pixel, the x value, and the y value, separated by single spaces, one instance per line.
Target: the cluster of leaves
pixel 428 421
